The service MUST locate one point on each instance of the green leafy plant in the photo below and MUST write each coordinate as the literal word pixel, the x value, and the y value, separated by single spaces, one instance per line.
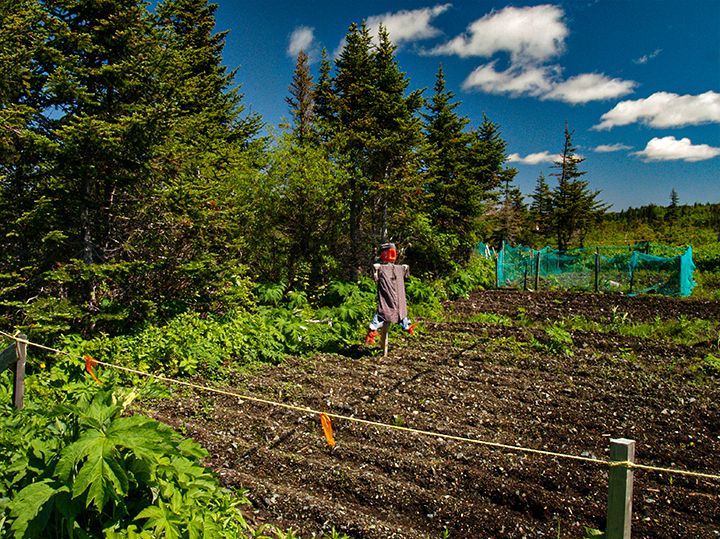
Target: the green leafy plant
pixel 711 365
pixel 560 340
pixel 84 469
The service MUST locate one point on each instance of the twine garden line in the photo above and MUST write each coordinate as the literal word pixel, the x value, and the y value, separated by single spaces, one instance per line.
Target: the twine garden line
pixel 496 445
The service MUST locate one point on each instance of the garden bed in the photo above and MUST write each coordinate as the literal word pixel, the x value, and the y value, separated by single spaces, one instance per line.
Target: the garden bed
pixel 519 384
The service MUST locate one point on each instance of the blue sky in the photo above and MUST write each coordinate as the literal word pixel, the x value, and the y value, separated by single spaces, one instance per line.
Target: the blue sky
pixel 638 81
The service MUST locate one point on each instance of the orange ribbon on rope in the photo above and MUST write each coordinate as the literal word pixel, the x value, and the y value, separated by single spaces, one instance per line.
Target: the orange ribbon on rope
pixel 89 364
pixel 327 427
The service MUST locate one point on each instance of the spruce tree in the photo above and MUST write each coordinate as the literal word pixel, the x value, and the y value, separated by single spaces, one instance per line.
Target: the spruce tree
pixel 397 134
pixel 324 107
pixel 103 93
pixel 447 157
pixel 375 127
pixel 126 117
pixel 541 208
pixel 511 215
pixel 26 137
pixel 198 81
pixel 575 207
pixel 463 170
pixel 301 100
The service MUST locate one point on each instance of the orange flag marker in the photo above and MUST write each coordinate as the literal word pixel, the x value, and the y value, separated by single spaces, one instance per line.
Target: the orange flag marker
pixel 89 364
pixel 327 427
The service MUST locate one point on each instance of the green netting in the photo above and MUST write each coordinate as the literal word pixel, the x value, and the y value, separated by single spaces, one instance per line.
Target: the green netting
pixel 639 269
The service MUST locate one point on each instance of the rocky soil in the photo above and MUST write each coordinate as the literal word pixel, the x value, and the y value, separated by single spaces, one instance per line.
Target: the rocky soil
pixel 477 379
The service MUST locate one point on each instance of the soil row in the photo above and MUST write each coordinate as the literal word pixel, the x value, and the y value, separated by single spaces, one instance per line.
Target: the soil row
pixel 479 382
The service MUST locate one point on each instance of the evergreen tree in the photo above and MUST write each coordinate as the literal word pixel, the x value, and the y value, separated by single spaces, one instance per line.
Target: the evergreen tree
pixel 130 117
pixel 447 154
pixel 541 210
pixel 24 134
pixel 397 134
pixel 101 98
pixel 352 87
pixel 462 171
pixel 512 216
pixel 323 99
pixel 374 126
pixel 301 100
pixel 575 208
pixel 674 199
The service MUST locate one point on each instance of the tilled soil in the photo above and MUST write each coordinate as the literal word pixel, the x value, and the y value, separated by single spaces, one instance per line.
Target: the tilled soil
pixel 479 389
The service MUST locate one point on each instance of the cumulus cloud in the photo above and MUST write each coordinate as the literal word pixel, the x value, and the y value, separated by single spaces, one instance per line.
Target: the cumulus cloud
pixel 534 158
pixel 608 148
pixel 303 39
pixel 589 87
pixel 532 37
pixel 671 149
pixel 405 26
pixel 664 110
pixel 515 80
pixel 528 34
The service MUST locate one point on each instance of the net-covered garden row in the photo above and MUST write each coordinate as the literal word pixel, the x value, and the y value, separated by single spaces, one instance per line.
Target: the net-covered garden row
pixel 639 269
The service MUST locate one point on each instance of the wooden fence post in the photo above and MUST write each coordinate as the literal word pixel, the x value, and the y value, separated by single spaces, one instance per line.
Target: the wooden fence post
pixel 620 490
pixel 19 374
pixel 14 356
pixel 537 271
pixel 597 270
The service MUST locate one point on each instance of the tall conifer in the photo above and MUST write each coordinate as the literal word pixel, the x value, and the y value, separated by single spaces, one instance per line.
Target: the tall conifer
pixel 302 99
pixel 575 207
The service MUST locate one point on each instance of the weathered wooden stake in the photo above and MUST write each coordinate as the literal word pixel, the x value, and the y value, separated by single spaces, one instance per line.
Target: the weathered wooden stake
pixel 620 490
pixel 19 374
pixel 597 270
pixel 14 356
pixel 497 270
pixel 537 271
pixel 384 338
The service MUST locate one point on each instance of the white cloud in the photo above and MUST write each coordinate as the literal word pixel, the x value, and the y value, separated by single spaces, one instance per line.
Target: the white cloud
pixel 589 87
pixel 405 26
pixel 528 34
pixel 303 39
pixel 671 149
pixel 645 59
pixel 532 36
pixel 515 80
pixel 608 148
pixel 665 110
pixel 534 158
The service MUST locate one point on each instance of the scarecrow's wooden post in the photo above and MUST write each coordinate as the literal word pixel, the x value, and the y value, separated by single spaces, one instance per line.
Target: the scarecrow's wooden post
pixel 384 341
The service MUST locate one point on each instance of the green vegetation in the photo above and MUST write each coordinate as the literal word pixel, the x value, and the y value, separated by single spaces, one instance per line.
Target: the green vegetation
pixel 76 463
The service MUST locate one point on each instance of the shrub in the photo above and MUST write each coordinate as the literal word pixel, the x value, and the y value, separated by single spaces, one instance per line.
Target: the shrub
pixel 84 469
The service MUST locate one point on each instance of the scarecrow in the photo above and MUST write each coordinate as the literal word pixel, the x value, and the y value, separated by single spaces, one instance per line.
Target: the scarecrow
pixel 392 307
